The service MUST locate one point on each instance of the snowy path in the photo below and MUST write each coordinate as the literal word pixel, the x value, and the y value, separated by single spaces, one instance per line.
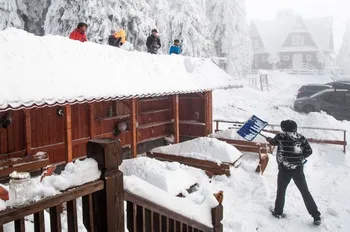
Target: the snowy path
pixel 248 196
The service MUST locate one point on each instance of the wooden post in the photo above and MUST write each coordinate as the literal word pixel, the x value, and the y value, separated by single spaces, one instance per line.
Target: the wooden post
pixel 28 131
pixel 133 124
pixel 108 204
pixel 208 109
pixel 176 118
pixel 68 133
pixel 217 126
pixel 92 120
pixel 345 142
pixel 217 214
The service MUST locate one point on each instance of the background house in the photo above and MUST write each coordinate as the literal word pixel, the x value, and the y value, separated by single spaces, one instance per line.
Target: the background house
pixel 292 42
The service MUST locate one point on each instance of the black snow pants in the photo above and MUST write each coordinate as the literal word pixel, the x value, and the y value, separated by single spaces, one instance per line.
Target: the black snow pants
pixel 284 177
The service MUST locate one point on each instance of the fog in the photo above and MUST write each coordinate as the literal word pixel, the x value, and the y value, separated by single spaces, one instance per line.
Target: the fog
pixel 339 9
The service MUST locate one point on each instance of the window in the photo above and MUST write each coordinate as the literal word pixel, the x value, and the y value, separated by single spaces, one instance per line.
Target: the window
pixel 264 58
pixel 334 97
pixel 297 40
pixel 286 57
pixel 308 57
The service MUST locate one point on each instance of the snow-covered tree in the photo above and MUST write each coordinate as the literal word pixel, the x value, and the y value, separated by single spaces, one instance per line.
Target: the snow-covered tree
pixel 205 27
pixel 344 52
pixel 230 30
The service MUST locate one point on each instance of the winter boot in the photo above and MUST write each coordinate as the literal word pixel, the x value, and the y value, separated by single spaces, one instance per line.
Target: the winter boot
pixel 277 215
pixel 317 220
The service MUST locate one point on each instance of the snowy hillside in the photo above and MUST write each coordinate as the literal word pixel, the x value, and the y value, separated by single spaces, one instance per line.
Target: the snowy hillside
pixel 249 196
pixel 204 27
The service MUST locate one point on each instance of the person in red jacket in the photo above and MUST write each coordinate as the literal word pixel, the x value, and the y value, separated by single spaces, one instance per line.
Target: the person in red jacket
pixel 79 33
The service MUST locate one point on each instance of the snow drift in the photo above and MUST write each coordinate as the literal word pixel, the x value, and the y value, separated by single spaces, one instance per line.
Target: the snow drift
pixel 209 149
pixel 53 70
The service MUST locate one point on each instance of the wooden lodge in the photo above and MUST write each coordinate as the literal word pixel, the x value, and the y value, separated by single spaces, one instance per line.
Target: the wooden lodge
pixel 62 131
pixel 139 110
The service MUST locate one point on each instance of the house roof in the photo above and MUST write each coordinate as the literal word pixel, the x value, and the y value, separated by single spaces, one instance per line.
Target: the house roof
pixel 52 70
pixel 274 33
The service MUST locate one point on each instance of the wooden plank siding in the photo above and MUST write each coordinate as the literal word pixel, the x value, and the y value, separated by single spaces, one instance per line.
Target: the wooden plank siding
pixel 42 129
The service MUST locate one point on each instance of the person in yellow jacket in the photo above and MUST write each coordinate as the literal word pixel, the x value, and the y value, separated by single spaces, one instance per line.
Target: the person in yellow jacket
pixel 117 39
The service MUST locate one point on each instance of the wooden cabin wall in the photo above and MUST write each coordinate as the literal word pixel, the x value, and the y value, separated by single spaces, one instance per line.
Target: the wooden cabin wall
pixel 12 141
pixel 155 117
pixel 192 115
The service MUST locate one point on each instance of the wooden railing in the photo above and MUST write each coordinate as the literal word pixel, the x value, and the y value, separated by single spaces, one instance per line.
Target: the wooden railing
pixel 273 129
pixel 145 216
pixel 103 203
pixel 210 167
pixel 102 199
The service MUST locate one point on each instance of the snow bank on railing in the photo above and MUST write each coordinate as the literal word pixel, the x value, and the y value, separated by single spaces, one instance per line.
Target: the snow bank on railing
pixel 200 212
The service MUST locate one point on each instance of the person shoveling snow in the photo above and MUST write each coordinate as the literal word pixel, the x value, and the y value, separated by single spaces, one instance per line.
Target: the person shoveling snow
pixel 292 150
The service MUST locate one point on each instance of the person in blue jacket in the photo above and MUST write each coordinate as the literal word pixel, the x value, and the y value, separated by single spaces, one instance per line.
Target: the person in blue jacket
pixel 175 49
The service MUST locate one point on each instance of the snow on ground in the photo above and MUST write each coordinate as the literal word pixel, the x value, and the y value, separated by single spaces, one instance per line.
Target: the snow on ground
pixel 248 196
pixel 170 177
pixel 183 206
pixel 209 149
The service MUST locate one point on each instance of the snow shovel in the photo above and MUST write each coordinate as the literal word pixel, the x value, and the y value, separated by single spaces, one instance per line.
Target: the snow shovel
pixel 252 128
pixel 249 131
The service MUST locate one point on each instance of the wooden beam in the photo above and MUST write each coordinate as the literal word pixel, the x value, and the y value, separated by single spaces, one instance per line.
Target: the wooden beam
pixel 208 109
pixel 133 124
pixel 201 95
pixel 126 103
pixel 176 118
pixel 28 131
pixel 92 120
pixel 68 133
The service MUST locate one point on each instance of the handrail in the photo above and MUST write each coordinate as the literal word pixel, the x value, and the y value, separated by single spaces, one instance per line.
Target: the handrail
pixel 312 140
pixel 10 215
pixel 154 208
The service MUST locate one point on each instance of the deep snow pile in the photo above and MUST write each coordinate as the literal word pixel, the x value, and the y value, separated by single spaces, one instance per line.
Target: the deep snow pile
pixel 179 205
pixel 73 71
pixel 209 149
pixel 74 174
pixel 170 177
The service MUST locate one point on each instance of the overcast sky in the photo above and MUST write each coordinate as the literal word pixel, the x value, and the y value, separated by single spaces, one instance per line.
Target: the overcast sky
pixel 340 9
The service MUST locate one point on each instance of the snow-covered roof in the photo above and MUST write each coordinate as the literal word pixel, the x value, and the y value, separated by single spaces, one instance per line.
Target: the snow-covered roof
pixel 273 33
pixel 53 70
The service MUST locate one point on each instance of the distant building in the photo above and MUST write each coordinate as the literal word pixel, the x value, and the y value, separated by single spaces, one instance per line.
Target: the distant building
pixel 291 42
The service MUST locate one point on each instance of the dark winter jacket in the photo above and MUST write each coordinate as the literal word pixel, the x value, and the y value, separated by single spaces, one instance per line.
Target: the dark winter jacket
pixel 113 41
pixel 153 44
pixel 78 34
pixel 292 150
pixel 175 50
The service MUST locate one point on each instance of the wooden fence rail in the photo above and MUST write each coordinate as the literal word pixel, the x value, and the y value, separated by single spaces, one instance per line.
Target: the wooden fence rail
pixel 143 215
pixel 343 143
pixel 103 203
pixel 212 168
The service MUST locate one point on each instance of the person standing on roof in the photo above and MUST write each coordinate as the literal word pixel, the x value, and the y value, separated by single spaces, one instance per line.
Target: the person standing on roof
pixel 153 42
pixel 292 150
pixel 175 49
pixel 79 33
pixel 117 39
